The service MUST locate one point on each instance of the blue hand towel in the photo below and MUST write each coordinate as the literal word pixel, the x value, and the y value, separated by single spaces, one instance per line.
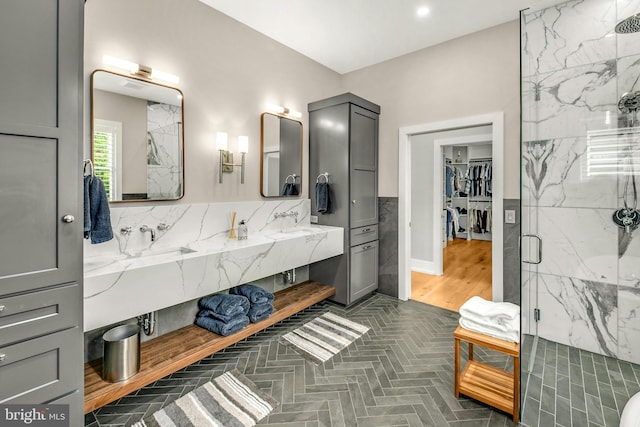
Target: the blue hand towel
pixel 289 189
pixel 97 218
pixel 259 312
pixel 222 328
pixel 256 294
pixel 226 305
pixel 323 200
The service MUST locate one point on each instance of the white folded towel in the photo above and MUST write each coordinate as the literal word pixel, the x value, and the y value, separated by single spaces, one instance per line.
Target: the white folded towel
pixel 512 335
pixel 488 312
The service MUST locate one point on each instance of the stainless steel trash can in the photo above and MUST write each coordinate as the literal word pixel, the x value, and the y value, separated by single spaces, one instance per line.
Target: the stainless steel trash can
pixel 121 353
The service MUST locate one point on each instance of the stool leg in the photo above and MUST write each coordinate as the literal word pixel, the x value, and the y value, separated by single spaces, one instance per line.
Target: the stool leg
pixel 470 351
pixel 516 389
pixel 456 358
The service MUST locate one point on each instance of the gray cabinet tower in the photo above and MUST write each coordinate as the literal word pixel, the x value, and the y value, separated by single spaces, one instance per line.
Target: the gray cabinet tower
pixel 343 143
pixel 41 341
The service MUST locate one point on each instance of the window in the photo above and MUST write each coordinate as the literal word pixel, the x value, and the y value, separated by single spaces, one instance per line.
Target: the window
pixel 107 156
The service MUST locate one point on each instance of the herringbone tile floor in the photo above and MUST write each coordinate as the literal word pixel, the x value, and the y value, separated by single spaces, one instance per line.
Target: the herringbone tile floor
pixel 400 373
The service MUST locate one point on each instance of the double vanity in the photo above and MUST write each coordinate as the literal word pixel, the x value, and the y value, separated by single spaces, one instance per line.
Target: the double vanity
pixel 131 275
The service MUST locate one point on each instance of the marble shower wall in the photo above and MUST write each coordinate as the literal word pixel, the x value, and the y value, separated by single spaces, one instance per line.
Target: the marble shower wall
pixel 164 156
pixel 574 70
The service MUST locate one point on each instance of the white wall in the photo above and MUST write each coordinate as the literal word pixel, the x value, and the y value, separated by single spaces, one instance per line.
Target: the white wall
pixel 472 75
pixel 228 73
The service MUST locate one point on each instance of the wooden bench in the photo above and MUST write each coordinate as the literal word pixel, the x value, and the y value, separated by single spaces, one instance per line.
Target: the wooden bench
pixel 171 352
pixel 486 383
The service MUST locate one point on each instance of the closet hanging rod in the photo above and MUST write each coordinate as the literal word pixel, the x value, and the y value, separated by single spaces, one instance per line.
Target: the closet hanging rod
pixel 325 175
pixel 481 160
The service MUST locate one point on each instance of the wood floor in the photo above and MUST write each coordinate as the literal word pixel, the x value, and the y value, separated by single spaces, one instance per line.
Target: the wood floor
pixel 467 272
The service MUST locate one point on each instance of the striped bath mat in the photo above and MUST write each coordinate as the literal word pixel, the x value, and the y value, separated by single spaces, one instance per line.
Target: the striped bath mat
pixel 229 400
pixel 323 337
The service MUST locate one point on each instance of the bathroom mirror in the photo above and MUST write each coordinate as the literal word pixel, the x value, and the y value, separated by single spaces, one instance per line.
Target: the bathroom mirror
pixel 137 138
pixel 280 156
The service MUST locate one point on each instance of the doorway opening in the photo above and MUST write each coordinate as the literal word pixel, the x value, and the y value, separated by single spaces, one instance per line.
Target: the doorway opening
pixel 461 268
pixel 443 134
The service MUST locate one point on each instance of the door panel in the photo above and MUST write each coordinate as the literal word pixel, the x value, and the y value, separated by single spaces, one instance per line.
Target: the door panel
pixel 364 269
pixel 364 200
pixel 38 370
pixel 29 215
pixel 28 42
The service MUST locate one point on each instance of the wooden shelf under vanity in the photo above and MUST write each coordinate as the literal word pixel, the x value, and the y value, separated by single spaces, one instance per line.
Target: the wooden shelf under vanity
pixel 171 352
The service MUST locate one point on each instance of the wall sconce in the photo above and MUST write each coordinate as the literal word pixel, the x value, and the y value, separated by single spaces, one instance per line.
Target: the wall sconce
pixel 226 157
pixel 284 111
pixel 140 70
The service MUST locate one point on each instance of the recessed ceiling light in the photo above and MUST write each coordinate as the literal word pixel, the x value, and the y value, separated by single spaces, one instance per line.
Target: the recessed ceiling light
pixel 423 11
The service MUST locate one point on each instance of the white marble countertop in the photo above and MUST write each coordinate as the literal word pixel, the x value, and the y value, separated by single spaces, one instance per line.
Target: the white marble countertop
pixel 124 285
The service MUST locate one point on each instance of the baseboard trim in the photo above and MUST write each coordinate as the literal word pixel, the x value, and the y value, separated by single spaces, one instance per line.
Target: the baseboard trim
pixel 426 267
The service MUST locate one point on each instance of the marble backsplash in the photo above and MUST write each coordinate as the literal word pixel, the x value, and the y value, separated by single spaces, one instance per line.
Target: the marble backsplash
pixel 189 223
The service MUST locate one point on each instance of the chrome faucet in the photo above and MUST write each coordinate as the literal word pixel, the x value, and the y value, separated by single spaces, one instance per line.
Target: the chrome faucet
pixel 146 228
pixel 294 214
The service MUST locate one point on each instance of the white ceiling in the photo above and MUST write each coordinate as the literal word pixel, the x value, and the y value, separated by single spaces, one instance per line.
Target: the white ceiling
pixel 346 35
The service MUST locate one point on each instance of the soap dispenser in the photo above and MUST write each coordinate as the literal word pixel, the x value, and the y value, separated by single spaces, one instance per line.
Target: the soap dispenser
pixel 243 231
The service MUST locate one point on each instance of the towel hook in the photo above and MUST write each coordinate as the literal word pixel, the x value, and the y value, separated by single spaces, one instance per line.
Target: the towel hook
pixel 325 175
pixel 89 163
pixel 293 178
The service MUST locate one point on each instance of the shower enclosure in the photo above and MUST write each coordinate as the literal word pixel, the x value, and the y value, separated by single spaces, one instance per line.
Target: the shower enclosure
pixel 580 244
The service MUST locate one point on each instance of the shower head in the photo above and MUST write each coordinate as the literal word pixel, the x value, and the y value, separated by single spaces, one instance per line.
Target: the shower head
pixel 629 25
pixel 629 102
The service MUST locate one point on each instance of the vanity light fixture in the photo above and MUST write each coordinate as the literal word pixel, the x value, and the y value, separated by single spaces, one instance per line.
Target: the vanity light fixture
pixel 279 109
pixel 140 70
pixel 226 156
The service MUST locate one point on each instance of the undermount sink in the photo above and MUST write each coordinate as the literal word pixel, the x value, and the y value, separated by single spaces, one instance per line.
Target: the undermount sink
pixel 164 253
pixel 292 231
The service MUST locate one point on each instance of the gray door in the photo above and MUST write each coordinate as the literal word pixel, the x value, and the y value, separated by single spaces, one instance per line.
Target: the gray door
pixel 39 143
pixel 363 155
pixel 40 184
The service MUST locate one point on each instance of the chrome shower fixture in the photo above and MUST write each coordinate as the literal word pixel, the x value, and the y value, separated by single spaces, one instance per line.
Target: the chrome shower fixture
pixel 629 102
pixel 629 25
pixel 627 218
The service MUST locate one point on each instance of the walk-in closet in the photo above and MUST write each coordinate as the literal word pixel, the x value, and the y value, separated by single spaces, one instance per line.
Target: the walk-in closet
pixel 466 223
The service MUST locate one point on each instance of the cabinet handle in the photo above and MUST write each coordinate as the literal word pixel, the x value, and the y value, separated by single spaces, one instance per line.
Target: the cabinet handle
pixel 68 218
pixel 353 202
pixel 367 247
pixel 1 308
pixel 366 230
pixel 2 357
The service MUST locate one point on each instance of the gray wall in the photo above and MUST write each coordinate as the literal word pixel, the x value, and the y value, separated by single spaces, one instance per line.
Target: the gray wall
pixel 388 245
pixel 511 257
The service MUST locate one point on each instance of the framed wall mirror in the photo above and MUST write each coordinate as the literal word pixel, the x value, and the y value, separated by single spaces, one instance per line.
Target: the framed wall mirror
pixel 280 156
pixel 137 138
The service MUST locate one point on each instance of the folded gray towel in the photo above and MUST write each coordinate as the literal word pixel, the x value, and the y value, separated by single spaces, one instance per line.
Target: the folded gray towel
pixel 214 315
pixel 256 294
pixel 259 312
pixel 222 328
pixel 323 199
pixel 97 218
pixel 225 305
